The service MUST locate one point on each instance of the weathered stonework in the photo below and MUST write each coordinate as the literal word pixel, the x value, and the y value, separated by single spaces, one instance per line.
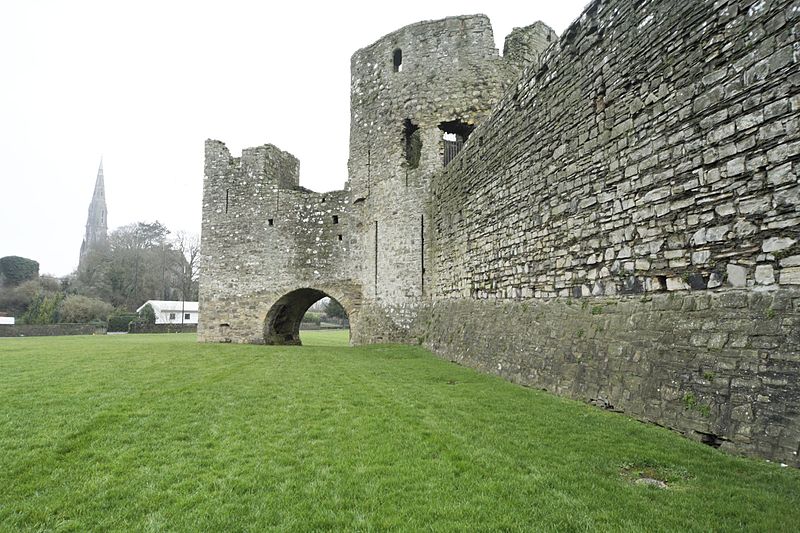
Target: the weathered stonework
pixel 621 225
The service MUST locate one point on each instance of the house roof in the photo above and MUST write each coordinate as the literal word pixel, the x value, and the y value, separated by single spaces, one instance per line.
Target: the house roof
pixel 170 305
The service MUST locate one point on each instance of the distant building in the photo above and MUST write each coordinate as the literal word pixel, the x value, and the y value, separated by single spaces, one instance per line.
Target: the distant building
pixel 97 221
pixel 173 312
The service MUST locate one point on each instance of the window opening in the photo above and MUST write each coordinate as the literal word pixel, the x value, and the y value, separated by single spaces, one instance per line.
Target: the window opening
pixel 340 237
pixel 413 143
pixel 172 316
pixel 454 134
pixel 397 60
pixel 186 316
pixel 335 219
pixel 226 200
pixel 271 222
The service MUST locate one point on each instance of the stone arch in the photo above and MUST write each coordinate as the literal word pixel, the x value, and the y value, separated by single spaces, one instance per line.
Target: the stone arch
pixel 282 323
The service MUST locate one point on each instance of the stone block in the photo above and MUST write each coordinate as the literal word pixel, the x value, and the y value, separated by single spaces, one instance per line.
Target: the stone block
pixel 714 280
pixel 790 276
pixel 737 275
pixel 791 261
pixel 765 275
pixel 735 166
pixel 775 244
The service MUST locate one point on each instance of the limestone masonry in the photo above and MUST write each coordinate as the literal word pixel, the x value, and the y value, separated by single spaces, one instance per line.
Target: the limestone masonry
pixel 612 215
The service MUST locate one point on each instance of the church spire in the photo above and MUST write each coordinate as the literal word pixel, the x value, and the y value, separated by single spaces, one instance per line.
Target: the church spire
pixel 97 222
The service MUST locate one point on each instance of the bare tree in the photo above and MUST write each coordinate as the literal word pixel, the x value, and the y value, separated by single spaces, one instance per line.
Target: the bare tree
pixel 188 244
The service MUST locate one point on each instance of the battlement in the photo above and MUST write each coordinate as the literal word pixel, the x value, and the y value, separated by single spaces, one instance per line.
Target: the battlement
pixel 262 164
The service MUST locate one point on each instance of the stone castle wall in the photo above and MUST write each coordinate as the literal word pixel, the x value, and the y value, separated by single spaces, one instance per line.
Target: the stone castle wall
pixel 621 225
pixel 655 150
pixel 643 155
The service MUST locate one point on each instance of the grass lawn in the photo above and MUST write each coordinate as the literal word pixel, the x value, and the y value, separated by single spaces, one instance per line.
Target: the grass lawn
pixel 157 432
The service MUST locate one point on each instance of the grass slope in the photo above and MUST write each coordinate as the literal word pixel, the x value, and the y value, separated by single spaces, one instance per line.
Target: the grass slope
pixel 157 432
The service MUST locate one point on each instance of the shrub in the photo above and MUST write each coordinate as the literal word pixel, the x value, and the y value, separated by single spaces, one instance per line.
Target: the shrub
pixel 312 318
pixel 14 269
pixel 335 310
pixel 147 314
pixel 119 321
pixel 79 309
pixel 43 309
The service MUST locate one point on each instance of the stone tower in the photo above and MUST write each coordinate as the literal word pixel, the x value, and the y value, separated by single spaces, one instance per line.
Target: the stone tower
pixel 273 248
pixel 97 220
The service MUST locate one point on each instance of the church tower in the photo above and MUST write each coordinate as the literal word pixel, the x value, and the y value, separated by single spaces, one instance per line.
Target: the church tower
pixel 97 221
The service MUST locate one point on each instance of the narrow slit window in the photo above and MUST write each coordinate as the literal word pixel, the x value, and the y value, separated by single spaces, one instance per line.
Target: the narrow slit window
pixel 340 236
pixel 271 222
pixel 397 60
pixel 335 219
pixel 226 200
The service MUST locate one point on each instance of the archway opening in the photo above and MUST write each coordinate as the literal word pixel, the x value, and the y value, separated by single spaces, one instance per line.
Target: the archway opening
pixel 303 309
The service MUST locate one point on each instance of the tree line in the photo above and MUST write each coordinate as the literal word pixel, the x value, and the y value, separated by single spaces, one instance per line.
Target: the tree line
pixel 140 262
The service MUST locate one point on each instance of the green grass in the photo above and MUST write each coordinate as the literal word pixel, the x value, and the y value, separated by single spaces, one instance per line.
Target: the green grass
pixel 159 433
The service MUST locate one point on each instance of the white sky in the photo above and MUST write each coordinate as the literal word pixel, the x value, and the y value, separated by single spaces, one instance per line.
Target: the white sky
pixel 143 83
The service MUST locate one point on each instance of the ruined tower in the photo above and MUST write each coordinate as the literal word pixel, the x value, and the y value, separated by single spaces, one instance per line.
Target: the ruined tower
pixel 97 221
pixel 272 248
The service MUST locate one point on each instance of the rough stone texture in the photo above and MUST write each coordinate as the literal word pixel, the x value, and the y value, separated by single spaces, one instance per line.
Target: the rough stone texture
pixel 264 236
pixel 641 141
pixel 719 367
pixel 621 226
pixel 524 46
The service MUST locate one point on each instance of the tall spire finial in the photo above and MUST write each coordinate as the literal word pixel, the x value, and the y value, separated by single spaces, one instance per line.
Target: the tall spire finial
pixel 96 222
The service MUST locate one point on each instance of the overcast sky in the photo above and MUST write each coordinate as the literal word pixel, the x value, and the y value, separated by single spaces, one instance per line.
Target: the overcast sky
pixel 143 83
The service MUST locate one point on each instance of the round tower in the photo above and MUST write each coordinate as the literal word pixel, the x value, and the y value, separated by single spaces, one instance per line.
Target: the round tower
pixel 416 95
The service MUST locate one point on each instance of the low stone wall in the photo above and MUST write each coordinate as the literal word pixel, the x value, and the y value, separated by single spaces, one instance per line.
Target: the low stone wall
pixel 723 368
pixel 137 327
pixel 50 330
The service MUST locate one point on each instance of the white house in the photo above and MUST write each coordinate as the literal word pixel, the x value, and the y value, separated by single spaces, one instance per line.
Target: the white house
pixel 171 312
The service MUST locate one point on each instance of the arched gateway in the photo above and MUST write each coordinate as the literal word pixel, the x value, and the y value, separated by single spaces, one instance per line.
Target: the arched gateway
pixel 282 324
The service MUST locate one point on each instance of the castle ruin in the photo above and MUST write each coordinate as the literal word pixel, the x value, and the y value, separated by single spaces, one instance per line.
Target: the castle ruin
pixel 612 215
